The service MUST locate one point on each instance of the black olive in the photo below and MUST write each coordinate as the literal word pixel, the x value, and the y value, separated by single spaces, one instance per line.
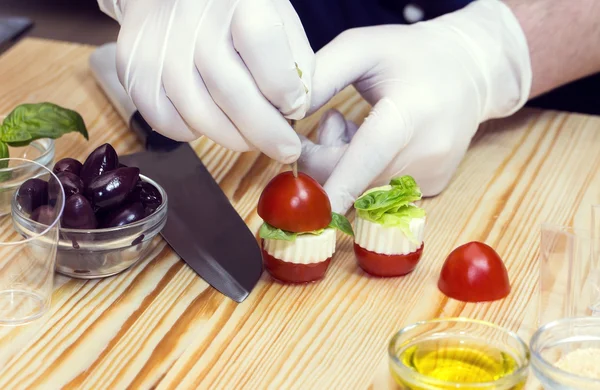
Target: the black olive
pixel 32 194
pixel 44 215
pixel 78 213
pixel 67 165
pixel 103 159
pixel 126 214
pixel 112 188
pixel 72 184
pixel 148 195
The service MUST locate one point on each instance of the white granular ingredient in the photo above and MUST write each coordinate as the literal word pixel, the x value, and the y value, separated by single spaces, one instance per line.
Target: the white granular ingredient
pixel 583 362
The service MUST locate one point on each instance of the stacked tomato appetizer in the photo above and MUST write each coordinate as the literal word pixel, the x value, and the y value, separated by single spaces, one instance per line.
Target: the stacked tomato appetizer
pixel 389 228
pixel 299 230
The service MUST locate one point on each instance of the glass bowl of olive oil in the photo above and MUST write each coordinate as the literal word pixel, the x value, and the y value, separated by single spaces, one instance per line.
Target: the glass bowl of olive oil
pixel 458 353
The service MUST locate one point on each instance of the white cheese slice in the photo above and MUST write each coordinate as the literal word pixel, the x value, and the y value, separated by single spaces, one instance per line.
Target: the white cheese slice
pixel 306 249
pixel 388 240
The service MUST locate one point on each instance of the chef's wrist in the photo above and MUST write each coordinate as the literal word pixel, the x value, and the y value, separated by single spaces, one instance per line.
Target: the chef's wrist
pixel 498 53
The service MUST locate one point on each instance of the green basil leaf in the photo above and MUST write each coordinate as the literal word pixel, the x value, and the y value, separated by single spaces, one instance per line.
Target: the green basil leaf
pixel 272 233
pixel 340 222
pixel 4 164
pixel 14 135
pixel 28 122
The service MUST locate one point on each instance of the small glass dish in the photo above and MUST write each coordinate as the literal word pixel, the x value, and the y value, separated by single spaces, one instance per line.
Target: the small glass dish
pixel 99 253
pixel 40 151
pixel 551 347
pixel 458 353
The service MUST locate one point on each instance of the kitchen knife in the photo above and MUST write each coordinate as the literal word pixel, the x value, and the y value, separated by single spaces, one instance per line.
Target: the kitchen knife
pixel 11 30
pixel 202 226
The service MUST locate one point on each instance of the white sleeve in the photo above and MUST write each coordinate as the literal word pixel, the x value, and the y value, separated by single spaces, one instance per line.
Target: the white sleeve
pixel 112 8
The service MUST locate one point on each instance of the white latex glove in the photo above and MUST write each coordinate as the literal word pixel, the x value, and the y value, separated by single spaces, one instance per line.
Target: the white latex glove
pixel 223 69
pixel 431 84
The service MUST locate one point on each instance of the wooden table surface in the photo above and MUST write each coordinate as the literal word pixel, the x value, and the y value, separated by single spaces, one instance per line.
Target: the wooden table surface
pixel 158 325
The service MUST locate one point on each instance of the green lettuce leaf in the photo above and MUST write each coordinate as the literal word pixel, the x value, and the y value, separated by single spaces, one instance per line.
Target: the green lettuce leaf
pixel 269 232
pixel 341 223
pixel 338 221
pixel 392 205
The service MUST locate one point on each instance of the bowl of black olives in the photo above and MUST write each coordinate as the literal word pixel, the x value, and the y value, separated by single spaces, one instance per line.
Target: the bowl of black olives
pixel 111 215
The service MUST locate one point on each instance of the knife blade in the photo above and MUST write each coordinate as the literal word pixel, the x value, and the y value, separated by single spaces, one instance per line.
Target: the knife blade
pixel 202 226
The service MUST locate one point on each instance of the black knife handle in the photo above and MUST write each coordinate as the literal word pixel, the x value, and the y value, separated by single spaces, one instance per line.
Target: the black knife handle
pixel 151 139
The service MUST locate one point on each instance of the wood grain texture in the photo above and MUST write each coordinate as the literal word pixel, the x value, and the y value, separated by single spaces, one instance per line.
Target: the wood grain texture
pixel 160 326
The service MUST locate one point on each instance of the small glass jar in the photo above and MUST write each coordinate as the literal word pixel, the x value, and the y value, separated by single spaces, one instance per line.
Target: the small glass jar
pixel 458 353
pixel 40 151
pixel 554 341
pixel 100 253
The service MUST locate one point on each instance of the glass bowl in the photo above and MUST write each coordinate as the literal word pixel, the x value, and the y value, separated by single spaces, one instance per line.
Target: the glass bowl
pixel 40 151
pixel 458 353
pixel 99 253
pixel 551 345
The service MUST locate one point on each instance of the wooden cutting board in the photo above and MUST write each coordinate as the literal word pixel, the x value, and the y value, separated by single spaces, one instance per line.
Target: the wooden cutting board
pixel 158 325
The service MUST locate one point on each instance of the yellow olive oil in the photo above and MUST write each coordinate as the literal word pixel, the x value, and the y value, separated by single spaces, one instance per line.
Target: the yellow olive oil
pixel 457 361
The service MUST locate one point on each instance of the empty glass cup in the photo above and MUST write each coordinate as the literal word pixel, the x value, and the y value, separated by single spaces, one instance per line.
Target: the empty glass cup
pixel 569 273
pixel 28 256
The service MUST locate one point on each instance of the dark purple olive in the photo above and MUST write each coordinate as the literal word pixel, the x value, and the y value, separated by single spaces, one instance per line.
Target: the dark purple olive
pixel 148 195
pixel 78 213
pixel 112 188
pixel 67 165
pixel 44 215
pixel 122 165
pixel 72 184
pixel 126 214
pixel 100 161
pixel 32 194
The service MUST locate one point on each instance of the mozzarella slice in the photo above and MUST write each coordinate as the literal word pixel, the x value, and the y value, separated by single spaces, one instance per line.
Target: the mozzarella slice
pixel 388 240
pixel 306 249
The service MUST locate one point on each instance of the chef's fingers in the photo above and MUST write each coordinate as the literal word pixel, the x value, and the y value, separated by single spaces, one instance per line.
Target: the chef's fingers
pixel 334 129
pixel 260 38
pixel 233 89
pixel 383 134
pixel 318 160
pixel 139 66
pixel 302 51
pixel 185 87
pixel 339 64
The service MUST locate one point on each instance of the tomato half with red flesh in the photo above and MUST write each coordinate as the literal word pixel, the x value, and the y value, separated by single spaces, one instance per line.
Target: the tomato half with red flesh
pixel 292 272
pixel 378 264
pixel 296 204
pixel 474 272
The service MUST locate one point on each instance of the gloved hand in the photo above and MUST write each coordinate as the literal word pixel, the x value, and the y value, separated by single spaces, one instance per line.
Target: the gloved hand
pixel 223 69
pixel 431 84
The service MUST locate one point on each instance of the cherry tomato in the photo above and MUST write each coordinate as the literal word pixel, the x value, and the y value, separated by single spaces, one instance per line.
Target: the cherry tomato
pixel 294 273
pixel 378 264
pixel 296 204
pixel 474 272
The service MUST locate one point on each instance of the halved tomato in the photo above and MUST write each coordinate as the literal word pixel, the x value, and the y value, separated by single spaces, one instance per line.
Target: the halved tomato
pixel 378 264
pixel 474 272
pixel 296 204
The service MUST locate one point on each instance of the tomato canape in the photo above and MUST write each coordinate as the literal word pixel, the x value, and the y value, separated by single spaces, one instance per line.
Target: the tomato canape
pixel 474 272
pixel 298 234
pixel 389 228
